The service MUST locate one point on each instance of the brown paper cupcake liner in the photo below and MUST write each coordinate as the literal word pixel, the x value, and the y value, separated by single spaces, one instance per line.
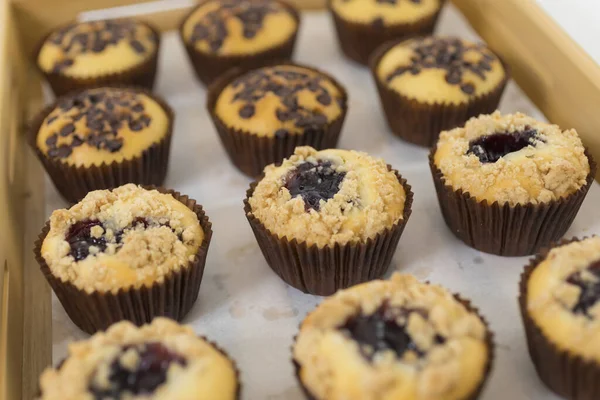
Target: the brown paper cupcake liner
pixel 324 270
pixel 251 153
pixel 173 298
pixel 359 41
pixel 566 374
pixel 208 67
pixel 507 230
pixel 74 182
pixel 421 123
pixel 489 340
pixel 142 75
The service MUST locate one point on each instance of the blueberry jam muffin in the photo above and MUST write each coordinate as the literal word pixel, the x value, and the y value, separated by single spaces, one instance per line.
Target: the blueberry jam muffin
pixel 222 34
pixel 560 305
pixel 399 340
pixel 162 360
pixel 264 114
pixel 318 205
pixel 435 83
pixel 123 242
pixel 513 163
pixel 120 133
pixel 363 25
pixel 82 54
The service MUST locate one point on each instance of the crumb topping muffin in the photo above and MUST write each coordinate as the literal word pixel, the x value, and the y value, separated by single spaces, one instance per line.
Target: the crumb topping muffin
pixel 102 125
pixel 396 339
pixel 280 100
pixel 163 360
pixel 238 27
pixel 444 70
pixel 89 49
pixel 121 238
pixel 512 159
pixel 563 297
pixel 385 12
pixel 328 197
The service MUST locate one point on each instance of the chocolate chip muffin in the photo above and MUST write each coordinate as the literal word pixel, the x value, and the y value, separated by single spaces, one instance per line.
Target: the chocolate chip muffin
pixel 510 185
pixel 393 340
pixel 81 55
pixel 431 84
pixel 162 360
pixel 560 306
pixel 102 138
pixel 326 220
pixel 222 34
pixel 364 25
pixel 263 115
pixel 128 253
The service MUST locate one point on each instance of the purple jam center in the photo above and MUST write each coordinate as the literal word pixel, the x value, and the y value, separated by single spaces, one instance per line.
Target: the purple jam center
pixel 314 182
pixel 491 148
pixel 590 291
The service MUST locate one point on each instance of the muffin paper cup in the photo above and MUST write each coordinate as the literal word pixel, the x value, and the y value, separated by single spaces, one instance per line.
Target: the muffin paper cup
pixel 489 340
pixel 209 66
pixel 507 230
pixel 250 153
pixel 358 41
pixel 324 270
pixel 74 182
pixel 566 374
pixel 142 75
pixel 421 123
pixel 173 297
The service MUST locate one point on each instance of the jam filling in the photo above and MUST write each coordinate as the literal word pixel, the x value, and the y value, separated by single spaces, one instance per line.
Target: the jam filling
pixel 490 148
pixel 314 182
pixel 151 372
pixel 590 289
pixel 381 331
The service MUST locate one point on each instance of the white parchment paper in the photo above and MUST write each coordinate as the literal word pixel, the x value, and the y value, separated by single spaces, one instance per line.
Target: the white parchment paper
pixel 247 309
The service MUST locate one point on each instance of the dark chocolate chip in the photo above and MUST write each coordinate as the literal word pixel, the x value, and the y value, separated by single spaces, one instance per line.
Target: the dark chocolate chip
pixel 67 130
pixel 247 111
pixel 137 46
pixel 281 133
pixel 51 140
pixel 324 98
pixel 378 23
pixel 136 125
pixel 467 88
pixel 138 107
pixel 51 120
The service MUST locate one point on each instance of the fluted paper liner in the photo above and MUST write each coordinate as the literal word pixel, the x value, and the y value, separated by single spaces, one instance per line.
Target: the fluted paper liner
pixel 421 123
pixel 209 66
pixel 358 41
pixel 142 75
pixel 489 340
pixel 173 297
pixel 507 230
pixel 251 153
pixel 324 270
pixel 566 374
pixel 74 182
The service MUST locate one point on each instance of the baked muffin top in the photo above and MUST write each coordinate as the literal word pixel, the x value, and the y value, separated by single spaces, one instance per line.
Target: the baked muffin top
pixel 563 297
pixel 328 197
pixel 121 238
pixel 385 12
pixel 102 125
pixel 440 70
pixel 512 159
pixel 390 340
pixel 280 100
pixel 160 361
pixel 90 49
pixel 239 27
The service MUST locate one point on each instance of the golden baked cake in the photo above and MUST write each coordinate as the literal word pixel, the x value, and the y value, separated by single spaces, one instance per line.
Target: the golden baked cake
pixel 159 361
pixel 99 52
pixel 108 128
pixel 364 25
pixel 328 201
pixel 560 305
pixel 511 162
pixel 221 34
pixel 448 79
pixel 262 115
pixel 393 340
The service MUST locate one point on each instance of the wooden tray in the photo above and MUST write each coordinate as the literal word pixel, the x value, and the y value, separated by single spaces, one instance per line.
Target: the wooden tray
pixel 554 72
